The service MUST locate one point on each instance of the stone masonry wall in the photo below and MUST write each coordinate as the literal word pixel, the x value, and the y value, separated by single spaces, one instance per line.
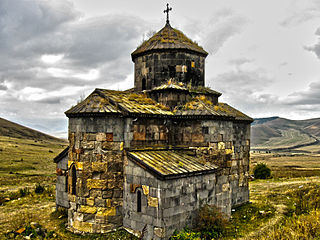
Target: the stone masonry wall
pixel 170 205
pixel 96 146
pixel 61 184
pixel 157 68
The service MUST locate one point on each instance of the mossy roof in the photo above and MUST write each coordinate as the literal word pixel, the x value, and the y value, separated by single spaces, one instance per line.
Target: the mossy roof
pixel 173 84
pixel 202 106
pixel 171 163
pixel 168 38
pixel 103 101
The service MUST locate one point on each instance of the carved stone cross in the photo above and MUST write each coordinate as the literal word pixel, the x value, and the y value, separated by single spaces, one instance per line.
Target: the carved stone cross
pixel 167 11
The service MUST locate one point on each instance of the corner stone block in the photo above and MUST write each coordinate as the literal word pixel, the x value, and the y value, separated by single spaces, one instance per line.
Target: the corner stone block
pixel 83 226
pixel 79 165
pixel 145 190
pixel 70 163
pixel 96 183
pixel 106 212
pixel 88 209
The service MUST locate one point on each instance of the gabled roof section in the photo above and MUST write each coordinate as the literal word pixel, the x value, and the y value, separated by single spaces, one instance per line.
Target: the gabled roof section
pixel 203 90
pixel 103 101
pixel 201 106
pixel 95 103
pixel 110 102
pixel 168 38
pixel 136 103
pixel 166 164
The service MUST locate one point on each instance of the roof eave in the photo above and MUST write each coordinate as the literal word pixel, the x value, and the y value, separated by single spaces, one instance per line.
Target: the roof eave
pixel 137 53
pixel 61 155
pixel 162 177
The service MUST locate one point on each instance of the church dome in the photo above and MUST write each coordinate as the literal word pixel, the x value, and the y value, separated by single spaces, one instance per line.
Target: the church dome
pixel 168 38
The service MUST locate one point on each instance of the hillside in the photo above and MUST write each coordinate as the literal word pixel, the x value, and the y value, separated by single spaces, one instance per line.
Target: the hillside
pixel 14 130
pixel 26 153
pixel 277 133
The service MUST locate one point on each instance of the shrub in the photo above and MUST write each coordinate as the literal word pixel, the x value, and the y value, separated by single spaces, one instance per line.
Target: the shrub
pixel 261 171
pixel 24 192
pixel 186 234
pixel 39 188
pixel 211 223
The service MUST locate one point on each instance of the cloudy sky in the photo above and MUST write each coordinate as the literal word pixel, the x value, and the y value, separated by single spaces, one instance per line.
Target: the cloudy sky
pixel 264 56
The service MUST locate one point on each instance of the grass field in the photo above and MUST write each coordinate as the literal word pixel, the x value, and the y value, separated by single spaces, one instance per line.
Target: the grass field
pixel 25 162
pixel 284 207
pixel 288 165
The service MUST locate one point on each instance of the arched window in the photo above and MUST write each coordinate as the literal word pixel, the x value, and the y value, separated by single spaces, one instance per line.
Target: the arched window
pixel 144 84
pixel 73 180
pixel 139 201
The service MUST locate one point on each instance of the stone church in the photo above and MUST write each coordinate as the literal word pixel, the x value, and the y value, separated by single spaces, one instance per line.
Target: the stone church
pixel 146 159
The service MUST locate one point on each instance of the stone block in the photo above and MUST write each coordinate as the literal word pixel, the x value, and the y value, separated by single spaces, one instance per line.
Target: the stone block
pixel 117 193
pixel 106 212
pixel 153 201
pixel 99 166
pixel 90 201
pixel 145 189
pixel 88 209
pixel 99 202
pixel 107 193
pixel 96 183
pixel 83 226
pixel 100 137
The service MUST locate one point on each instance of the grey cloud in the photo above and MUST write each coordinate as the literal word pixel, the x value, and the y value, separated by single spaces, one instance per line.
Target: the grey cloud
pixel 307 97
pixel 240 61
pixel 50 100
pixel 247 91
pixel 22 21
pixel 222 27
pixel 3 87
pixel 30 29
pixel 316 47
pixel 299 14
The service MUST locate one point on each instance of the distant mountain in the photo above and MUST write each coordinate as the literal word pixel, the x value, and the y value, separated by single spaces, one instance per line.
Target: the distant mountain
pixel 263 120
pixel 277 133
pixel 11 129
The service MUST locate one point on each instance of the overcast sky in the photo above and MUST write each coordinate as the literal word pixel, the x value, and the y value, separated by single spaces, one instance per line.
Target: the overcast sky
pixel 264 56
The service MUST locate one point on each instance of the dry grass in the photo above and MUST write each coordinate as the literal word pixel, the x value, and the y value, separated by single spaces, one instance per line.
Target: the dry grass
pixel 25 162
pixel 288 165
pixel 277 196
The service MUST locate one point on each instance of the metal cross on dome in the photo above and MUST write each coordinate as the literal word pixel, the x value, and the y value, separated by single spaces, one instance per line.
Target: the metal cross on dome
pixel 167 11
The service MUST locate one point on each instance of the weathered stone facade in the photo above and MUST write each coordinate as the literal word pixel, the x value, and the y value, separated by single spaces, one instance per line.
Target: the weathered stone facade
pixel 183 66
pixel 96 152
pixel 148 158
pixel 178 199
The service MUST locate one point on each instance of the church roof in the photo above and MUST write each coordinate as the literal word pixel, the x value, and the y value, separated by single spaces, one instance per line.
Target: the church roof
pixel 103 101
pixel 173 84
pixel 168 38
pixel 172 163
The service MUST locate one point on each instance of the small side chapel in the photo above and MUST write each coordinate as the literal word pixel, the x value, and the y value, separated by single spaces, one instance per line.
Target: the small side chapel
pixel 146 159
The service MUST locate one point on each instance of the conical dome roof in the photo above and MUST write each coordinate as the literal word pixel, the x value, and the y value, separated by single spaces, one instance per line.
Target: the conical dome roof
pixel 168 38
